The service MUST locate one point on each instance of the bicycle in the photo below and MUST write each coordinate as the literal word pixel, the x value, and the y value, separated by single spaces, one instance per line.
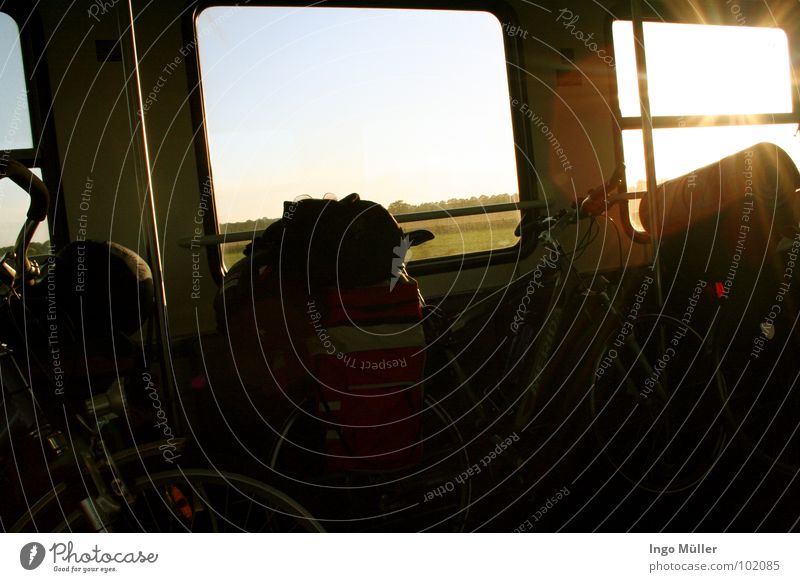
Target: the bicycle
pixel 761 399
pixel 746 245
pixel 650 422
pixel 94 482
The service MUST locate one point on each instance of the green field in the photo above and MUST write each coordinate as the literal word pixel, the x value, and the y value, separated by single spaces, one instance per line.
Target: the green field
pixel 232 252
pixel 466 234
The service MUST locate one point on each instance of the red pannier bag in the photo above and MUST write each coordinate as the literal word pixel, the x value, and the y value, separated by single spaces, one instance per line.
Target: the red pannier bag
pixel 368 350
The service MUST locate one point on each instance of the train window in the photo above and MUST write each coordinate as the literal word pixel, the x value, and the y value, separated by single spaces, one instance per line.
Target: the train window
pixel 738 77
pixel 15 135
pixel 409 108
pixel 15 125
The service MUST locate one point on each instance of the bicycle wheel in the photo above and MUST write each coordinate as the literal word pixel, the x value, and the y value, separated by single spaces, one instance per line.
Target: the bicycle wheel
pixel 762 394
pixel 193 500
pixel 654 401
pixel 366 500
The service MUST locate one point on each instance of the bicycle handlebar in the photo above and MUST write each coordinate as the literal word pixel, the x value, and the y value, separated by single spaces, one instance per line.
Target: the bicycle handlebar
pixel 596 201
pixel 37 211
pixel 28 181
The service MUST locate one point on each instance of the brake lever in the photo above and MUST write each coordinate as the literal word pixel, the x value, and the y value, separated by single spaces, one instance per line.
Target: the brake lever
pixel 597 200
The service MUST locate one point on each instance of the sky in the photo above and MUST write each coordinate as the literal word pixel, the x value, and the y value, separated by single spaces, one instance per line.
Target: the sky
pixel 15 130
pixel 392 104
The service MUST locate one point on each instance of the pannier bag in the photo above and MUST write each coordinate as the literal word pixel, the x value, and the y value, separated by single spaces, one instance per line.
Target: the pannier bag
pixel 727 224
pixel 368 350
pixel 762 179
pixel 321 304
pixel 326 242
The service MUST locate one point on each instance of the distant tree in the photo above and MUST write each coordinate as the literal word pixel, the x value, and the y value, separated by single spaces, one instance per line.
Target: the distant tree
pixel 246 225
pixel 399 207
pixel 402 207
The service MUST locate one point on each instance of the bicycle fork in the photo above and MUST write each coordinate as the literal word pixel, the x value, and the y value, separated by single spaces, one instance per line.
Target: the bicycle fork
pixel 634 349
pixel 543 353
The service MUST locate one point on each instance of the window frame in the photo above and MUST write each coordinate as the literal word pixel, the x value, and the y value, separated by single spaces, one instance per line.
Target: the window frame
pixel 526 175
pixel 44 153
pixel 662 12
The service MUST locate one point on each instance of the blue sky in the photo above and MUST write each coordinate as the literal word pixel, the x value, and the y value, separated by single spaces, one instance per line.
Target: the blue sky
pixel 393 104
pixel 12 86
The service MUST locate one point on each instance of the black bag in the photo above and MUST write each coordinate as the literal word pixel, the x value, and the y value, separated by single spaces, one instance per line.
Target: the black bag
pixel 327 243
pixel 321 243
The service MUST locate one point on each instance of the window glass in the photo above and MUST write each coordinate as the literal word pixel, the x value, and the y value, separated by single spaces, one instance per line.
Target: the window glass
pixel 14 203
pixel 15 125
pixel 695 69
pixel 681 150
pixel 15 134
pixel 405 107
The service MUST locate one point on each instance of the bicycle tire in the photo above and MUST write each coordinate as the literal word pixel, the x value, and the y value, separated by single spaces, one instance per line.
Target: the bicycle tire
pixel 652 404
pixel 762 399
pixel 178 501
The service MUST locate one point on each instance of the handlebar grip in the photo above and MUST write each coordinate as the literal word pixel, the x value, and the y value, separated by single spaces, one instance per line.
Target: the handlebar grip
pixel 28 181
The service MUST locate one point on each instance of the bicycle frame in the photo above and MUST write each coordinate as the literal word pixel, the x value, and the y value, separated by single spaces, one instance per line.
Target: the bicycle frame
pixel 565 284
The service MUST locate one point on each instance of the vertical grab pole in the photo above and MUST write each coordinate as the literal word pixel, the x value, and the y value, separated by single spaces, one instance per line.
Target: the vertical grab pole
pixel 151 225
pixel 655 205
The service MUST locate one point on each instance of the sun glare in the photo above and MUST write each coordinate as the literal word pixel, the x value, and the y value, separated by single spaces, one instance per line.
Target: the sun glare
pixel 708 71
